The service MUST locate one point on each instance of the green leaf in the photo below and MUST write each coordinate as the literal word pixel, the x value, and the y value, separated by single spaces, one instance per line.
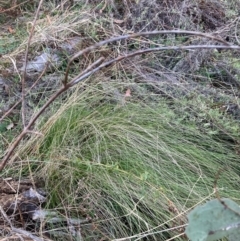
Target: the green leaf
pixel 3 127
pixel 213 221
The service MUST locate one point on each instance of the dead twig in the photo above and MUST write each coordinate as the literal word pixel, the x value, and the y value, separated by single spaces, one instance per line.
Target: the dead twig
pixel 26 60
pixel 14 7
pixel 6 217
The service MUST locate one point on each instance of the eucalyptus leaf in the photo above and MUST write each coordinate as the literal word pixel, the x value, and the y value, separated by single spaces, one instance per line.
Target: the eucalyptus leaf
pixel 214 220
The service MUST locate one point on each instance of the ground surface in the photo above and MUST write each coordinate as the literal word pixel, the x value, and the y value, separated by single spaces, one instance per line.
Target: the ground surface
pixel 125 154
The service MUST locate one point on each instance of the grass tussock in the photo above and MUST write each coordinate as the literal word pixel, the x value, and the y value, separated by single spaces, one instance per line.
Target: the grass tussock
pixel 126 164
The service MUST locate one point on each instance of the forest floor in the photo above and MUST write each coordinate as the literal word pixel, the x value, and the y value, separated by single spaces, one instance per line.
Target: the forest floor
pixel 126 153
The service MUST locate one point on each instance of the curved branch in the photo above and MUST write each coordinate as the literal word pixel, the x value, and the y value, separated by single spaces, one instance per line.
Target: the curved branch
pixel 135 35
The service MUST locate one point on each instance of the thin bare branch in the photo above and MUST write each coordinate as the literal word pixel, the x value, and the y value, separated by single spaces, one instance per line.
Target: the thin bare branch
pixel 136 35
pixel 26 60
pixel 14 7
pixel 5 216
pixel 88 69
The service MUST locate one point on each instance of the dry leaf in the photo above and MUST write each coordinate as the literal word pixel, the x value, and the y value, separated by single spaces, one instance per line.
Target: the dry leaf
pixel 10 126
pixel 119 21
pixel 49 20
pixel 172 208
pixel 128 93
pixel 10 29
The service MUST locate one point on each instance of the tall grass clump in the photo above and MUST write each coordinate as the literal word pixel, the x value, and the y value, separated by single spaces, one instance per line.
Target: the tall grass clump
pixel 130 166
